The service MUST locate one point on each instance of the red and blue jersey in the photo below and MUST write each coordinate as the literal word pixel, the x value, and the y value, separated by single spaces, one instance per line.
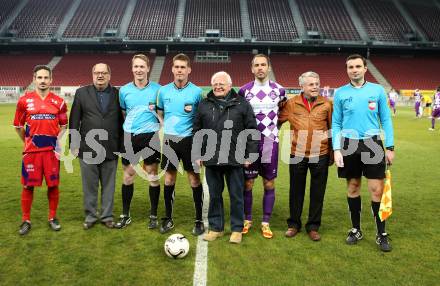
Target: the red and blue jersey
pixel 41 119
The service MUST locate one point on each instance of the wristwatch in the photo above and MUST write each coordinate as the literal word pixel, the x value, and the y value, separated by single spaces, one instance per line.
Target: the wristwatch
pixel 391 148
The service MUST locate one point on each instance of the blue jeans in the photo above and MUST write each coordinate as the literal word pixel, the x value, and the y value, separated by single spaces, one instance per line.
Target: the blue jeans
pixel 215 177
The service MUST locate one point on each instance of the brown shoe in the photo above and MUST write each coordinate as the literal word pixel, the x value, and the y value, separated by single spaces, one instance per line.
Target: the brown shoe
pixel 314 235
pixel 235 237
pixel 108 224
pixel 291 232
pixel 212 235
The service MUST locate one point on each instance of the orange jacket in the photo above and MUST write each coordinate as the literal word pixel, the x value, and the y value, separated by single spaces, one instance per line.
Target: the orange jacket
pixel 310 130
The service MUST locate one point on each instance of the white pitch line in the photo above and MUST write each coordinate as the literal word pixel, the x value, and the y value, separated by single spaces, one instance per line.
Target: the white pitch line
pixel 201 264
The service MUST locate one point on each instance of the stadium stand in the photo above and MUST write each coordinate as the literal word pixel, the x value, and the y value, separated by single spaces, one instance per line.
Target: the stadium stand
pixel 7 7
pixel 16 70
pixel 239 68
pixel 382 20
pixel 427 17
pixel 39 18
pixel 93 17
pixel 331 69
pixel 271 20
pixel 201 15
pixel 329 18
pixel 76 69
pixel 148 22
pixel 409 72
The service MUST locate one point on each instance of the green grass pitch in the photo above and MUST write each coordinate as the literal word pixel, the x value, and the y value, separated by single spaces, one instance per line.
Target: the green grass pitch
pixel 134 256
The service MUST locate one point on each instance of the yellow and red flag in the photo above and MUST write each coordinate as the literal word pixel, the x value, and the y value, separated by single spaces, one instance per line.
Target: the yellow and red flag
pixel 386 209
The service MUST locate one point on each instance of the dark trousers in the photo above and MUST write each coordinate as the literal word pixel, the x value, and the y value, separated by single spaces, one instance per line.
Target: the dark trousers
pixel 215 178
pixel 318 183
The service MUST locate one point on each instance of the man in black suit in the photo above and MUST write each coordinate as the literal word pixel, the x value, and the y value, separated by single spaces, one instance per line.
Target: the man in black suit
pixel 97 117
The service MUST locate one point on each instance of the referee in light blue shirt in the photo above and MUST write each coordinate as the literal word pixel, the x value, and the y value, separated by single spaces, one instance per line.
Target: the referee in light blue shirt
pixel 141 137
pixel 177 104
pixel 360 113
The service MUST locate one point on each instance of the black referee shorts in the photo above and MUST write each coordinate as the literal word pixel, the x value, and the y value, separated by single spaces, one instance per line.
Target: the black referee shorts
pixel 363 157
pixel 148 143
pixel 174 150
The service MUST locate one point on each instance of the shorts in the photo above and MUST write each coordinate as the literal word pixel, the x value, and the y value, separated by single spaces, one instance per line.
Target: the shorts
pixel 145 146
pixel 428 105
pixel 363 157
pixel 174 150
pixel 37 164
pixel 436 113
pixel 267 163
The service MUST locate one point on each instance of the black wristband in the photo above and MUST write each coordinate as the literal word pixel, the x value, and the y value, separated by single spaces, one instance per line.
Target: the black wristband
pixel 391 148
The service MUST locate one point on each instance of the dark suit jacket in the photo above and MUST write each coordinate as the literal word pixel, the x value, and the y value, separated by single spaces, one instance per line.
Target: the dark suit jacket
pixel 86 115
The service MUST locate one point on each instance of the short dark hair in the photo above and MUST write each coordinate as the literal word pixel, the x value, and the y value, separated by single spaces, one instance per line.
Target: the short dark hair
pixel 107 66
pixel 261 56
pixel 42 67
pixel 356 56
pixel 182 57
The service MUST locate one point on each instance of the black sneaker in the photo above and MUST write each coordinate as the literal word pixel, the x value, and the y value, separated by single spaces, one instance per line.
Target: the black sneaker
pixel 199 228
pixel 167 225
pixel 153 222
pixel 382 240
pixel 354 235
pixel 123 221
pixel 54 224
pixel 25 227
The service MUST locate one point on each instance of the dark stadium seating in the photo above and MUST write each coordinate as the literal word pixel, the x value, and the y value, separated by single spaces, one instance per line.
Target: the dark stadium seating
pixel 40 18
pixel 329 18
pixel 427 17
pixel 16 70
pixel 93 17
pixel 382 20
pixel 239 68
pixel 331 69
pixel 271 20
pixel 153 20
pixel 409 72
pixel 76 69
pixel 7 7
pixel 212 14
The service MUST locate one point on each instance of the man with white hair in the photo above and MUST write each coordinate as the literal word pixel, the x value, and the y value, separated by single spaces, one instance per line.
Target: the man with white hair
pixel 310 117
pixel 223 115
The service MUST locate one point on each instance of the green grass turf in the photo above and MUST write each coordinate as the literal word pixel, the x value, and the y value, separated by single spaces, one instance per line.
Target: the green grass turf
pixel 134 256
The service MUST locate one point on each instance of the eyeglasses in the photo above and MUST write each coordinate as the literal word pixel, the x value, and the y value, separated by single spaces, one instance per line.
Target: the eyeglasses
pixel 100 73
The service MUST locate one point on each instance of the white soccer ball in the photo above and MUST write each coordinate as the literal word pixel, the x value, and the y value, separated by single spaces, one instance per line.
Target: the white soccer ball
pixel 176 246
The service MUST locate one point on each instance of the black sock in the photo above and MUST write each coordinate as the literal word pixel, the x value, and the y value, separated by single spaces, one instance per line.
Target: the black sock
pixel 168 195
pixel 198 201
pixel 154 199
pixel 380 225
pixel 355 206
pixel 127 195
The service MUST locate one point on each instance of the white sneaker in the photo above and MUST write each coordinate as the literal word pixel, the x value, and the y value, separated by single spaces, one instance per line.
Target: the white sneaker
pixel 431 129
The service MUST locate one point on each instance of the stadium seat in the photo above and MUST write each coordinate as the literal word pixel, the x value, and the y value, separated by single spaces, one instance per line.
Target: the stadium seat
pixel 427 17
pixel 201 15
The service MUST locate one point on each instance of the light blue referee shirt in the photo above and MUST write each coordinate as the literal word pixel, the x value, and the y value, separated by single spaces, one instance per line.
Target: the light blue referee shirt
pixel 140 107
pixel 179 107
pixel 360 113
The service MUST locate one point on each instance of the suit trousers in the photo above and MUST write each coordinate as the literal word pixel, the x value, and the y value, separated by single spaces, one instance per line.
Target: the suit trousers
pixel 215 178
pixel 318 182
pixel 92 175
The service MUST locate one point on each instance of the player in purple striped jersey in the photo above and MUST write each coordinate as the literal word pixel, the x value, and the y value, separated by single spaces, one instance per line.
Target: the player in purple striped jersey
pixel 418 102
pixel 435 109
pixel 265 97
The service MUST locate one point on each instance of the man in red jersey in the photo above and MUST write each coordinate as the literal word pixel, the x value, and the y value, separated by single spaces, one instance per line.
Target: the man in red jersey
pixel 39 118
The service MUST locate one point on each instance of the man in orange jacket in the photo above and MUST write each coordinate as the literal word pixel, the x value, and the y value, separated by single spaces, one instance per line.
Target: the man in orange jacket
pixel 310 117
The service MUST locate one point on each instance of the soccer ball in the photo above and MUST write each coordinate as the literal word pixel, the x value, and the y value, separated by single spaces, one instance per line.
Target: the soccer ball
pixel 176 246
